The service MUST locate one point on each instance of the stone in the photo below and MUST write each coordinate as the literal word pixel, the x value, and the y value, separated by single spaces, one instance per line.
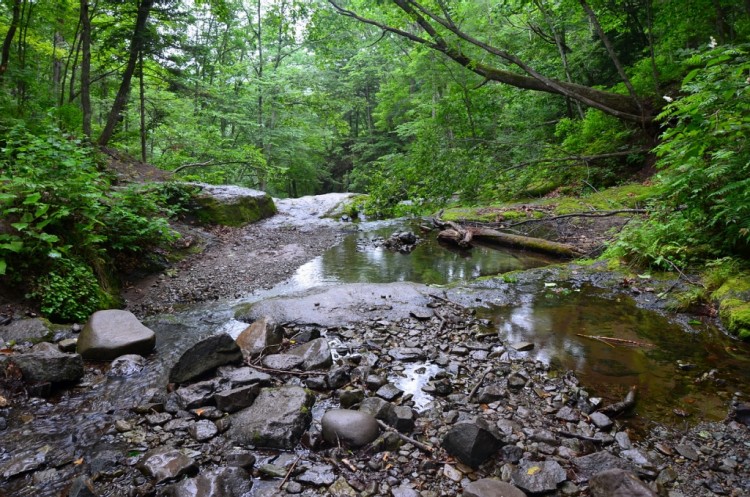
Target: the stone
pixel 402 419
pixel 389 392
pixel 404 490
pixel 317 475
pixel 27 460
pixel 512 453
pixel 601 420
pixel 567 413
pixel 127 365
pixel 407 354
pixel 623 440
pixel 687 451
pixel 277 418
pixel 241 458
pixel 341 488
pixel 637 457
pixel 472 442
pixel 491 393
pixel 516 382
pixel 205 356
pixel 349 397
pixel 164 464
pixel 20 330
pixel 591 464
pixel 488 487
pixel 315 354
pixel 618 483
pixel 282 362
pixel 264 336
pixel 49 364
pixel 216 482
pixel 203 430
pixel 378 408
pixel 111 333
pixel 338 377
pixel 230 205
pixel 245 376
pixel 523 346
pixel 538 476
pixel 67 345
pixel 237 398
pixel 196 395
pixel 351 428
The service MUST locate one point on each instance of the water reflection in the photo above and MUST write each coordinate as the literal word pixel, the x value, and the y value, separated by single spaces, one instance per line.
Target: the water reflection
pixel 561 323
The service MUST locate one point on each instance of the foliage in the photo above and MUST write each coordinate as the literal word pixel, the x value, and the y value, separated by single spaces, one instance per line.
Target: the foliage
pixel 69 292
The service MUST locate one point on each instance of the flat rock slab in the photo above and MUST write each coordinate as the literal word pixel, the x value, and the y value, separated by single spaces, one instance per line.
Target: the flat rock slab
pixel 342 304
pixel 231 205
pixel 224 482
pixel 49 364
pixel 488 487
pixel 315 354
pixel 618 483
pixel 24 329
pixel 166 464
pixel 591 464
pixel 277 418
pixel 206 355
pixel 111 333
pixel 538 476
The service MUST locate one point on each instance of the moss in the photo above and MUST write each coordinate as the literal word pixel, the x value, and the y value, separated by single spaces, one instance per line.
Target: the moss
pixel 735 287
pixel 240 212
pixel 735 315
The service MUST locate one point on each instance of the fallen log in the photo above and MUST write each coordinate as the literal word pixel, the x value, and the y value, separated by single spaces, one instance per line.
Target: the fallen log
pixel 618 407
pixel 464 236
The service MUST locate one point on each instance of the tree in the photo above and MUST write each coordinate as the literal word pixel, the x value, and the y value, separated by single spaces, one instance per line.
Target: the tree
pixel 440 29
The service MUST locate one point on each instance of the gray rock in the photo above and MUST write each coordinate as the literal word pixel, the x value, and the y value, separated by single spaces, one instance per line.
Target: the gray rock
pixel 488 487
pixel 338 377
pixel 472 442
pixel 618 483
pixel 205 356
pixel 25 329
pixel 196 395
pixel 111 333
pixel 316 354
pixel 264 336
pixel 601 420
pixel 317 475
pixel 407 354
pixel 351 428
pixel 637 457
pixel 404 490
pixel 349 397
pixel 378 408
pixel 127 365
pixel 282 362
pixel 591 464
pixel 230 205
pixel 402 419
pixel 623 440
pixel 28 460
pixel 217 482
pixel 203 430
pixel 516 381
pixel 240 458
pixel 567 414
pixel 512 453
pixel 237 398
pixel 341 488
pixel 491 393
pixel 47 363
pixel 538 476
pixel 687 451
pixel 245 376
pixel 277 418
pixel 389 392
pixel 67 345
pixel 523 346
pixel 166 464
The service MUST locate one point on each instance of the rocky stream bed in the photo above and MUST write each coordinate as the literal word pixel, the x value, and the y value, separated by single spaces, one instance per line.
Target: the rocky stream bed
pixel 364 389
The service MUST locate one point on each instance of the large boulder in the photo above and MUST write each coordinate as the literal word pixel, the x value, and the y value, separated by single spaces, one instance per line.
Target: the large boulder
pixel 205 356
pixel 264 336
pixel 46 363
pixel 230 205
pixel 315 354
pixel 25 329
pixel 111 333
pixel 618 483
pixel 349 428
pixel 472 442
pixel 277 419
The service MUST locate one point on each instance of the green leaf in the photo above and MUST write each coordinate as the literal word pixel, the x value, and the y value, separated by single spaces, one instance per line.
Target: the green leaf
pixel 20 226
pixel 32 199
pixel 46 237
pixel 3 266
pixel 54 254
pixel 14 246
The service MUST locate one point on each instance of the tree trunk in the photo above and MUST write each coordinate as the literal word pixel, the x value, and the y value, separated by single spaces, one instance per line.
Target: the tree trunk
pixel 142 100
pixel 136 46
pixel 85 67
pixel 8 41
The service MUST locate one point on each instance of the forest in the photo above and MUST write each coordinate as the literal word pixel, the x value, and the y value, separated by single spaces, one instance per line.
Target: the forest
pixel 418 104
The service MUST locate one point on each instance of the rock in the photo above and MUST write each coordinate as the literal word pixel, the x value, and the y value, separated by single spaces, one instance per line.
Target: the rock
pixel 165 464
pixel 378 408
pixel 338 377
pixel 567 414
pixel 472 442
pixel 404 490
pixel 240 458
pixel 623 440
pixel 67 345
pixel 315 354
pixel 349 397
pixel 407 354
pixel 111 333
pixel 601 421
pixel 205 356
pixel 389 392
pixel 126 365
pixel 402 419
pixel 538 476
pixel 277 418
pixel 317 475
pixel 618 483
pixel 282 362
pixel 203 430
pixel 351 428
pixel 491 393
pixel 687 451
pixel 28 460
pixel 245 376
pixel 512 453
pixel 47 363
pixel 341 488
pixel 637 457
pixel 25 329
pixel 196 395
pixel 82 487
pixel 230 205
pixel 488 487
pixel 516 382
pixel 523 346
pixel 741 413
pixel 591 464
pixel 237 398
pixel 264 336
pixel 217 482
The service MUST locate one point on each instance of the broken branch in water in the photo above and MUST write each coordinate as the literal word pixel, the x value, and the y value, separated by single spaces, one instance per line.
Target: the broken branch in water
pixel 618 407
pixel 622 341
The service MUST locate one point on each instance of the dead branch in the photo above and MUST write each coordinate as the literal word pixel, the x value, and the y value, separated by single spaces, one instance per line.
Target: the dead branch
pixel 618 407
pixel 574 158
pixel 479 383
pixel 419 445
pixel 581 214
pixel 616 340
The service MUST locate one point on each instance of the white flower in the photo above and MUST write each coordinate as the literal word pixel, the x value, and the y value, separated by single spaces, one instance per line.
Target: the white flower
pixel 668 98
pixel 712 43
